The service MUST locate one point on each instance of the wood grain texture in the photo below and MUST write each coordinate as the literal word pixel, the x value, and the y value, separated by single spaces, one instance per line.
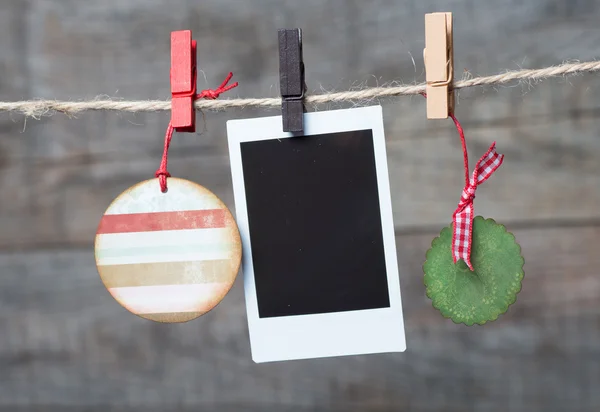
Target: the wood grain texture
pixel 549 133
pixel 64 343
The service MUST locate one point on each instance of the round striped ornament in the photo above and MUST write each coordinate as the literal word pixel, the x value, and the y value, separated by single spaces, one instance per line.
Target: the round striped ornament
pixel 168 257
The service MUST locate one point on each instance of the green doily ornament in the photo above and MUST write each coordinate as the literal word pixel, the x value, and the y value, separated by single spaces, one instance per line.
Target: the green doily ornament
pixel 480 295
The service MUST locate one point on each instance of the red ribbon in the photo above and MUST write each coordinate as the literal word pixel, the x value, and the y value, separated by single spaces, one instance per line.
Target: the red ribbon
pixel 462 219
pixel 210 94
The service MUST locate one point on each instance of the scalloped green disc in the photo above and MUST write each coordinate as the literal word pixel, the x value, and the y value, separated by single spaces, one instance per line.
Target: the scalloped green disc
pixel 481 295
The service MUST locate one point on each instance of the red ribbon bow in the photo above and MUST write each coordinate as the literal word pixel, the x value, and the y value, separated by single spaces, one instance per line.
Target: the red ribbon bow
pixel 462 219
pixel 463 216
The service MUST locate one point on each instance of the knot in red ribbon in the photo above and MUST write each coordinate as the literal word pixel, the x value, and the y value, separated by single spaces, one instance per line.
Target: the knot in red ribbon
pixel 209 94
pixel 162 172
pixel 468 195
pixel 213 94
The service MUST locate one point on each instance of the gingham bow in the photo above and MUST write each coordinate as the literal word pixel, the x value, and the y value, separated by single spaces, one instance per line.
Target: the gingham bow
pixel 463 216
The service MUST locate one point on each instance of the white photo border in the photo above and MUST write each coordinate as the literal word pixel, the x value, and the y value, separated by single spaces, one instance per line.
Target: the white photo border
pixel 329 334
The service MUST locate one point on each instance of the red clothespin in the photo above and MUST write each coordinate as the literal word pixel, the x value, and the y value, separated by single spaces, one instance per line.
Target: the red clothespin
pixel 183 81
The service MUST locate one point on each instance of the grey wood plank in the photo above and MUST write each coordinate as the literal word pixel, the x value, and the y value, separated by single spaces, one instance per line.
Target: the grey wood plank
pixel 545 170
pixel 62 173
pixel 66 342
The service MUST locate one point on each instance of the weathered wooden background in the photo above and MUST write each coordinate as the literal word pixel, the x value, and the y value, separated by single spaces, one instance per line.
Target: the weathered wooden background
pixel 66 345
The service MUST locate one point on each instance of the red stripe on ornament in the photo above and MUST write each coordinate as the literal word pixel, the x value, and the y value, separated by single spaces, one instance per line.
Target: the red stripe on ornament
pixel 155 222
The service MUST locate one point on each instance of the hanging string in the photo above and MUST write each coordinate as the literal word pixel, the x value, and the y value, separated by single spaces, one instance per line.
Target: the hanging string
pixel 38 108
pixel 461 133
pixel 162 173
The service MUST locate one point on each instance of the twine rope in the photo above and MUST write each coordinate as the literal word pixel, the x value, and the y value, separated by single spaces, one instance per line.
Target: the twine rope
pixel 40 108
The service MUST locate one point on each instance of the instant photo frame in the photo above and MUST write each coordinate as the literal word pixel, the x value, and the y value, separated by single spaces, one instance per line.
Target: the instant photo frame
pixel 319 253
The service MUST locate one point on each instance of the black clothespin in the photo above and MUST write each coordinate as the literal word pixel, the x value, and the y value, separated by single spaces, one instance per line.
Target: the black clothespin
pixel 291 78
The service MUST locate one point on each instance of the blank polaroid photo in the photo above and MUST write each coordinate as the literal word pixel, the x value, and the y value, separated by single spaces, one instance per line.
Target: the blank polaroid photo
pixel 319 254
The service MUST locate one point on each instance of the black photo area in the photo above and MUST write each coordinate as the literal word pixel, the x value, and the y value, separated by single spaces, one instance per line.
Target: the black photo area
pixel 315 224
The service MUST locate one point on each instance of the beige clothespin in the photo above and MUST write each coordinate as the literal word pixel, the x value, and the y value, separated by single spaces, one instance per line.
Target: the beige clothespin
pixel 439 65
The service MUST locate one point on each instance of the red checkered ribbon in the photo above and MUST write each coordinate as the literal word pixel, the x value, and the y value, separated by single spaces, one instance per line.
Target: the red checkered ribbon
pixel 463 216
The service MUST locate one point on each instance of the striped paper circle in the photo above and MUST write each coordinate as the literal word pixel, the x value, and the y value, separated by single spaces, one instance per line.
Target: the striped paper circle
pixel 168 257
